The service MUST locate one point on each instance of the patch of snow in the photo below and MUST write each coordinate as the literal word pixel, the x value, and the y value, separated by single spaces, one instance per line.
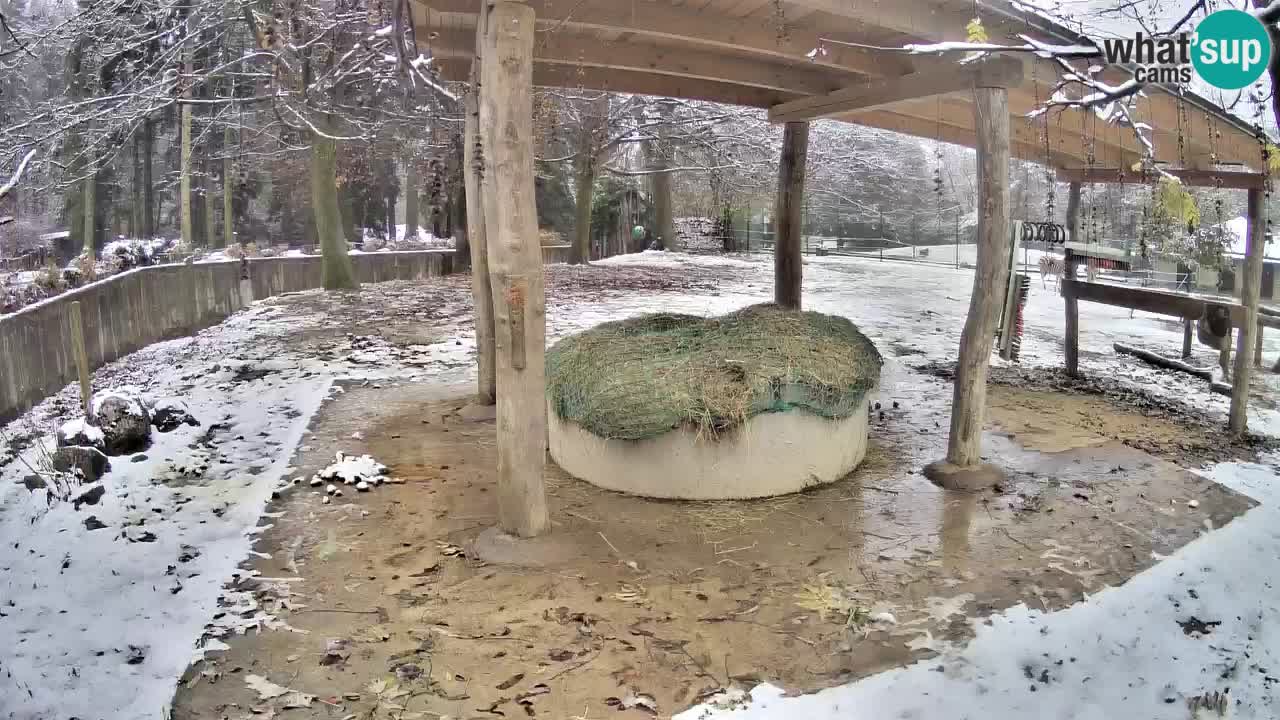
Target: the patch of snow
pixel 353 470
pixel 78 427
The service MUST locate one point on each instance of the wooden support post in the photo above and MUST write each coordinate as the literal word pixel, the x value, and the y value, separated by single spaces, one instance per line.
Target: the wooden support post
pixel 1249 290
pixel 472 171
pixel 1257 347
pixel 963 468
pixel 788 268
pixel 82 359
pixel 1071 338
pixel 515 265
pixel 1187 324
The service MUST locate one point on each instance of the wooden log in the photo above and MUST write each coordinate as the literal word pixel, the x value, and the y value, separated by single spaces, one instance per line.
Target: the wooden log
pixel 515 265
pixel 1257 345
pixel 481 289
pixel 1071 306
pixel 991 115
pixel 82 359
pixel 1162 361
pixel 1186 338
pixel 1249 291
pixel 788 268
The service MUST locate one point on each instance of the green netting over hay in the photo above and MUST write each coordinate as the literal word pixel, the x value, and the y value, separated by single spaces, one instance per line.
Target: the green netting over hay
pixel 644 376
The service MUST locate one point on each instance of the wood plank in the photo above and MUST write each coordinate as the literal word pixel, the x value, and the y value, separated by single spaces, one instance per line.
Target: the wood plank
pixel 1250 286
pixel 481 290
pixel 515 261
pixel 576 51
pixel 705 30
pixel 788 265
pixel 991 111
pixel 1146 299
pixel 640 83
pixel 1231 179
pixel 999 72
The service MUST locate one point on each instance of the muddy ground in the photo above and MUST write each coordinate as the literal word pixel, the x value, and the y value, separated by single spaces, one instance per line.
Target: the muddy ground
pixel 630 600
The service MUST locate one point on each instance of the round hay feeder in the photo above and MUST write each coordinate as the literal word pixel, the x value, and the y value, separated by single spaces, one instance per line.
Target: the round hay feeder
pixel 756 403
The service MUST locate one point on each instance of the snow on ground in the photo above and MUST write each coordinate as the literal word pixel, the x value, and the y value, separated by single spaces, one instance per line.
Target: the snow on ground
pixel 102 608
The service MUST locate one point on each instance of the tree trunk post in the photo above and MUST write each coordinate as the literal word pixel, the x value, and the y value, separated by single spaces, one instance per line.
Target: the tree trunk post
pixel 515 263
pixel 1257 347
pixel 788 268
pixel 184 176
pixel 481 290
pixel 584 184
pixel 1187 324
pixel 1071 339
pixel 336 272
pixel 1249 290
pixel 90 212
pixel 963 468
pixel 228 223
pixel 148 193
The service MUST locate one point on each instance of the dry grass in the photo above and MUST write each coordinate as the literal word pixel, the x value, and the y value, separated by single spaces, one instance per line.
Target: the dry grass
pixel 642 377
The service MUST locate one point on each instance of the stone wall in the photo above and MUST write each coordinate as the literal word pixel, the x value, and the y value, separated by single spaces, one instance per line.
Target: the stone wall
pixel 129 311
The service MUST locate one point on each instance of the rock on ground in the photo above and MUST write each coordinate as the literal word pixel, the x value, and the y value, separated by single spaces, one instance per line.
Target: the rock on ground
pixel 90 461
pixel 80 433
pixel 170 414
pixel 124 421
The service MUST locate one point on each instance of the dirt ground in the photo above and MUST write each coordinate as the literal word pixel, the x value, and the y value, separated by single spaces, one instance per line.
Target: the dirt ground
pixel 646 606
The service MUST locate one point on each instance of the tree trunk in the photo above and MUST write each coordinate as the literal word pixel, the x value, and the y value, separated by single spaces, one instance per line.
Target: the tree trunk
pixel 585 179
pixel 148 193
pixel 336 272
pixel 1250 286
pixel 90 195
pixel 788 267
pixel 410 199
pixel 228 222
pixel 184 179
pixel 665 229
pixel 991 114
pixel 481 291
pixel 515 257
pixel 135 193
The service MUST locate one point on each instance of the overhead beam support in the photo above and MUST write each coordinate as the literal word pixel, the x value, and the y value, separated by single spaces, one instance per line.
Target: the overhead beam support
pixel 1247 330
pixel 515 264
pixel 788 267
pixel 660 20
pixel 963 468
pixel 581 52
pixel 1230 179
pixel 996 72
pixel 640 83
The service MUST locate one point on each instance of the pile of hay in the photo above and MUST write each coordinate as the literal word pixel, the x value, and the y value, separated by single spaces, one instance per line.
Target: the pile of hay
pixel 644 376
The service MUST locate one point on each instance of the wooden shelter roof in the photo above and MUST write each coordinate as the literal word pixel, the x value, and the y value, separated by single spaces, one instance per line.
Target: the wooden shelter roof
pixel 758 53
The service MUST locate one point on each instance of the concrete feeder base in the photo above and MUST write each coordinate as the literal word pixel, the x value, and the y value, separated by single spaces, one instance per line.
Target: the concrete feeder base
pixel 771 454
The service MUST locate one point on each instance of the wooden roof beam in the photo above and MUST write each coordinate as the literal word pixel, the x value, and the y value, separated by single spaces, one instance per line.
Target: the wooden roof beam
pixel 1230 179
pixel 1021 143
pixel 575 51
pixel 658 19
pixel 994 72
pixel 630 81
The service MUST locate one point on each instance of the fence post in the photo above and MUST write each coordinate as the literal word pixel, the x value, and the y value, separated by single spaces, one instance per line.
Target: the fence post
pixel 82 359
